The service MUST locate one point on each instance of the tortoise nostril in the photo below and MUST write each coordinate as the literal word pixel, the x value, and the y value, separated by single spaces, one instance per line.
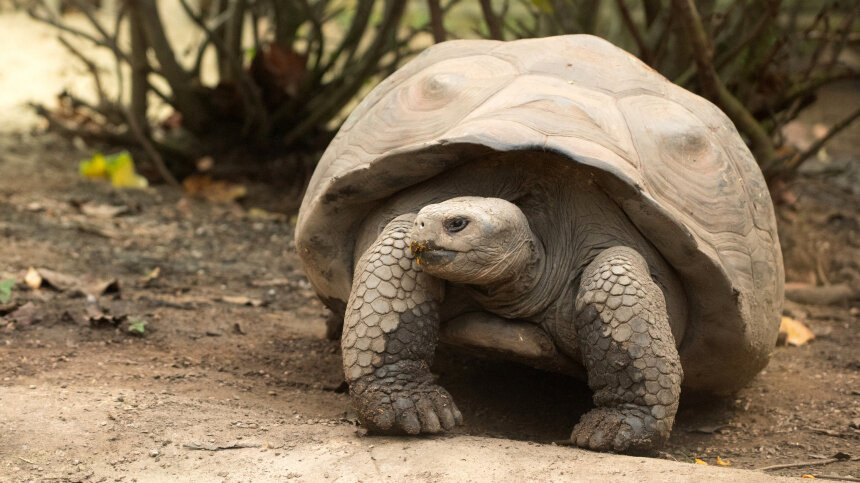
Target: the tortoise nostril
pixel 421 224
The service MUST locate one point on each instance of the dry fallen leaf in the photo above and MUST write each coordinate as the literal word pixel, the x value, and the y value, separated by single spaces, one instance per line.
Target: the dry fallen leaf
pixel 700 462
pixel 808 476
pixel 240 300
pixel 102 211
pixel 723 462
pixel 203 186
pixel 261 214
pixel 33 279
pixel 795 333
pixel 151 275
pixel 87 285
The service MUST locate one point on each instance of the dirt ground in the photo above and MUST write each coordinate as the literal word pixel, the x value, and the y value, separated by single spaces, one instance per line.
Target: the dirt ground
pixel 232 378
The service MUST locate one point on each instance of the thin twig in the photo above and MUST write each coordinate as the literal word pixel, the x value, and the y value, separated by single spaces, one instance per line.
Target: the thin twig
pixel 153 153
pixel 354 78
pixel 767 17
pixel 106 43
pixel 59 126
pixel 91 66
pixel 644 53
pixel 712 85
pixel 212 447
pixel 836 478
pixel 437 27
pixel 844 30
pixel 316 38
pixel 799 158
pixel 494 25
pixel 806 463
pixel 252 99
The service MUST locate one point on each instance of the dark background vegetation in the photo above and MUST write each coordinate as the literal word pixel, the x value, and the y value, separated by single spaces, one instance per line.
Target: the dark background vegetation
pixel 284 73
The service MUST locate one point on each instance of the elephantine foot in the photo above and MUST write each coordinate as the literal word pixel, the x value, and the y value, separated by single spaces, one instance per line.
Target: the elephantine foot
pixel 611 429
pixel 397 405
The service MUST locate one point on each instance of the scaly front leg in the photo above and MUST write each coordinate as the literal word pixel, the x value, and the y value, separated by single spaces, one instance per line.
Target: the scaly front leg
pixel 389 338
pixel 629 352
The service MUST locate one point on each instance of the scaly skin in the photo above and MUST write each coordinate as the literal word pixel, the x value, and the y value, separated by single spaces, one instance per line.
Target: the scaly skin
pixel 629 353
pixel 389 338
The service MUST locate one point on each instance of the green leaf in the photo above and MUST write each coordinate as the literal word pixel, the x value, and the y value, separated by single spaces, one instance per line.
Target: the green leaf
pixel 6 290
pixel 137 326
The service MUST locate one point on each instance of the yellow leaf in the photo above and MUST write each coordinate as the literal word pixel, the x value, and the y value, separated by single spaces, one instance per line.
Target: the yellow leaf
pixel 700 462
pixel 795 333
pixel 118 168
pixel 119 161
pixel 95 167
pixel 123 176
pixel 33 279
pixel 723 462
pixel 808 476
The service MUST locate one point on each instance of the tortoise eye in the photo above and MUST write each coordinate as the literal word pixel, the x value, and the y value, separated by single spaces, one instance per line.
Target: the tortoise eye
pixel 453 225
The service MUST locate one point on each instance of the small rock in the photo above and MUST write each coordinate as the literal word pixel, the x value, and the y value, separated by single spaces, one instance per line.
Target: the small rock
pixel 154 453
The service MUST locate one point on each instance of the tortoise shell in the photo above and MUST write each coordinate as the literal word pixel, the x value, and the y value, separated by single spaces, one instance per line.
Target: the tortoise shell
pixel 672 161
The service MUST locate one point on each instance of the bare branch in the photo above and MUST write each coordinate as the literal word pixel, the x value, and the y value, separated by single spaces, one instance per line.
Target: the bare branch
pixel 844 30
pixel 256 114
pixel 139 71
pixel 153 153
pixel 727 56
pixel 713 87
pixel 91 66
pixel 798 159
pixel 88 12
pixel 352 39
pixel 436 23
pixel 108 43
pixel 317 38
pixel 492 20
pixel 353 78
pixel 803 90
pixel 644 52
pixel 767 17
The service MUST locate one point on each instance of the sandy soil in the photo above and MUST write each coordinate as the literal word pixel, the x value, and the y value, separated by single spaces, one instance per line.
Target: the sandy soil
pixel 217 390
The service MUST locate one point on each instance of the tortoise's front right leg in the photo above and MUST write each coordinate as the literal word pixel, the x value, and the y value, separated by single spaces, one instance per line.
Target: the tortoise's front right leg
pixel 390 332
pixel 629 352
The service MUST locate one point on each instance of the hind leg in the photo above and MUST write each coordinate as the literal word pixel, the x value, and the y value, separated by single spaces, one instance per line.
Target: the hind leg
pixel 389 337
pixel 629 352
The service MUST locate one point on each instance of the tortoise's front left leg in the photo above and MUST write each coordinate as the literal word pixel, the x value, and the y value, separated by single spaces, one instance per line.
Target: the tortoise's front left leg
pixel 390 332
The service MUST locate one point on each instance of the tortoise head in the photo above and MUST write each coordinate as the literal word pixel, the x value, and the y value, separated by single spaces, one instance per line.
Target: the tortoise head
pixel 472 240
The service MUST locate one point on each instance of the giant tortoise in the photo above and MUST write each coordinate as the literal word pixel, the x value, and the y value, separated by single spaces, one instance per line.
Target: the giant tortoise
pixel 553 201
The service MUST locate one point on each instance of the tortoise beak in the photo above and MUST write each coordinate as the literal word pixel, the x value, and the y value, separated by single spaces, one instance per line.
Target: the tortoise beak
pixel 424 247
pixel 428 253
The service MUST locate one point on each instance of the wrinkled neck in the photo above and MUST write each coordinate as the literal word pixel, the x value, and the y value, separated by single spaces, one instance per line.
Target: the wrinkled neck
pixel 509 295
